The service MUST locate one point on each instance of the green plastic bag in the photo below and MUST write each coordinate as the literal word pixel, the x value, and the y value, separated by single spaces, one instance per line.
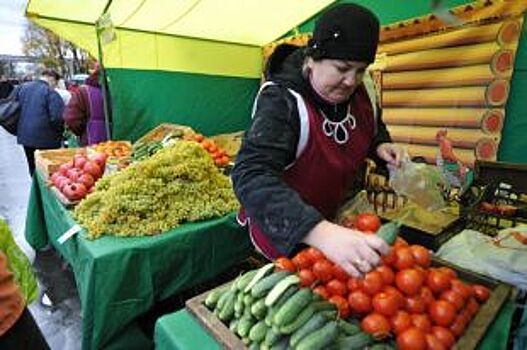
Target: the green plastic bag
pixel 18 264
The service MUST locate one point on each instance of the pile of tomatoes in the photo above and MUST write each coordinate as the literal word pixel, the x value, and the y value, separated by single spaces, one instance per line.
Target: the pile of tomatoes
pixel 219 155
pixel 76 178
pixel 422 306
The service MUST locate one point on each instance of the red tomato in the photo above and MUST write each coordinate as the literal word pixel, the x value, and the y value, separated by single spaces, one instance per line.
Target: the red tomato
pixel 307 277
pixel 438 281
pixel 472 306
pixel 450 272
pixel 354 284
pixel 367 222
pixel 444 335
pixel 458 326
pixel 342 305
pixel 400 242
pixel 387 274
pixel 415 304
pixel 376 325
pixel 427 295
pixel 322 291
pixel 404 258
pixel 400 322
pixel 482 293
pixel 359 302
pixel 302 261
pixel 284 264
pixel 386 304
pixel 396 292
pixel 462 288
pixel 409 281
pixel 336 287
pixel 421 255
pixel 323 270
pixel 340 274
pixel 411 339
pixel 453 298
pixel 389 259
pixel 442 313
pixel 314 254
pixel 433 343
pixel 372 283
pixel 422 322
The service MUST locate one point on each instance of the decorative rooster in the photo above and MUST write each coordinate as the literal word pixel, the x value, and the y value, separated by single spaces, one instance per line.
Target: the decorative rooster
pixel 457 173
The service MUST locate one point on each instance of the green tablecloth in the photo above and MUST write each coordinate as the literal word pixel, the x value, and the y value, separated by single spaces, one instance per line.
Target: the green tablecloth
pixel 181 331
pixel 119 279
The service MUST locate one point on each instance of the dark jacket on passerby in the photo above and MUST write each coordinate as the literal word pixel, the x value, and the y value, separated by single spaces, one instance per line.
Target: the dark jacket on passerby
pixel 40 124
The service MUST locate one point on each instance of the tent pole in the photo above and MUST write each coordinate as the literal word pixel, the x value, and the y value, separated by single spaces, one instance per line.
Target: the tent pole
pixel 104 85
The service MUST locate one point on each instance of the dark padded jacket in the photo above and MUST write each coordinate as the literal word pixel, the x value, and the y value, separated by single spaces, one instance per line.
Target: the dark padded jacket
pixel 269 146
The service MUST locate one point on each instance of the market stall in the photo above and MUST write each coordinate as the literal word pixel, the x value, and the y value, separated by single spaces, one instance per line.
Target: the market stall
pixel 119 279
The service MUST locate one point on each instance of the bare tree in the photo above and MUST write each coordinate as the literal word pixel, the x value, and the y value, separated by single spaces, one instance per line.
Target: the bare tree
pixel 54 51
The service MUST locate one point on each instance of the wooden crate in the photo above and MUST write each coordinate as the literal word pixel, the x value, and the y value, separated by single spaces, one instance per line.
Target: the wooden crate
pixel 209 321
pixel 475 331
pixel 49 161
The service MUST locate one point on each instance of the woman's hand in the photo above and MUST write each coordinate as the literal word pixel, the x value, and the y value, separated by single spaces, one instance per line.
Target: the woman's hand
pixel 355 252
pixel 391 153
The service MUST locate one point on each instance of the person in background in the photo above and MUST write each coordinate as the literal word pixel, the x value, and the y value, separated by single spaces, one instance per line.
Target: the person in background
pixel 314 123
pixel 63 92
pixel 5 87
pixel 84 115
pixel 40 125
pixel 18 330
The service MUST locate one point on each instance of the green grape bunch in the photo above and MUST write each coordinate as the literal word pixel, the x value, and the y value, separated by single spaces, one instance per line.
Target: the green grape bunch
pixel 178 184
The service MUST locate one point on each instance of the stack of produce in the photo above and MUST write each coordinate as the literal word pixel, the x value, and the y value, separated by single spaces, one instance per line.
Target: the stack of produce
pixel 148 147
pixel 219 155
pixel 269 310
pixel 402 301
pixel 114 148
pixel 178 184
pixel 76 178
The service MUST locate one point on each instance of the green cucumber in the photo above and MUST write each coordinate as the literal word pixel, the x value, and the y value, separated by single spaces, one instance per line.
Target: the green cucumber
pixel 261 273
pixel 244 326
pixel 258 331
pixel 239 306
pixel 244 280
pixel 213 297
pixel 280 288
pixel 319 339
pixel 223 298
pixel 266 284
pixel 348 328
pixel 259 309
pixel 233 325
pixel 389 231
pixel 316 322
pixel 248 299
pixel 227 312
pixel 293 307
pixel 254 346
pixel 357 341
pixel 330 315
pixel 324 306
pixel 282 344
pixel 298 322
pixel 278 304
pixel 271 337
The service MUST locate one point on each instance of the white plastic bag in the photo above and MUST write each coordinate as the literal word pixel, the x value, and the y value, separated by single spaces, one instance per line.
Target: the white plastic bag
pixel 423 184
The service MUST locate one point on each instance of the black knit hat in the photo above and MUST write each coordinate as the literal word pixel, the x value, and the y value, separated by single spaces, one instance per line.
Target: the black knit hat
pixel 346 32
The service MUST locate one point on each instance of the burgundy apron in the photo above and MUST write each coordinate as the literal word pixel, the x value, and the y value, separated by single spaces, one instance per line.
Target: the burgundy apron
pixel 325 167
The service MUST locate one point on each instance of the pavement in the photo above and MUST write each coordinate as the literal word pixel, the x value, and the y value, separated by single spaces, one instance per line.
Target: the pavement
pixel 57 311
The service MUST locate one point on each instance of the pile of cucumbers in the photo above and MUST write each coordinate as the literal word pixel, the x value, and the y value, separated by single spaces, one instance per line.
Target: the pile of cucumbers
pixel 268 310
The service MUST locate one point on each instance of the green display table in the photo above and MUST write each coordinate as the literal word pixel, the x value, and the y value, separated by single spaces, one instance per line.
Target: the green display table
pixel 181 331
pixel 119 279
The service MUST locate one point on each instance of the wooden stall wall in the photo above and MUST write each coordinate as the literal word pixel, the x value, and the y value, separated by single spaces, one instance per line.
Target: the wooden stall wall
pixel 432 75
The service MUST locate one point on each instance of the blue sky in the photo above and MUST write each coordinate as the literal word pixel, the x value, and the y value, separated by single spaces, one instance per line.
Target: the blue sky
pixel 12 24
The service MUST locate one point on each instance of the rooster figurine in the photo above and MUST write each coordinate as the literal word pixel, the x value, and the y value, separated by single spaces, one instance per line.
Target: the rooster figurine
pixel 457 173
